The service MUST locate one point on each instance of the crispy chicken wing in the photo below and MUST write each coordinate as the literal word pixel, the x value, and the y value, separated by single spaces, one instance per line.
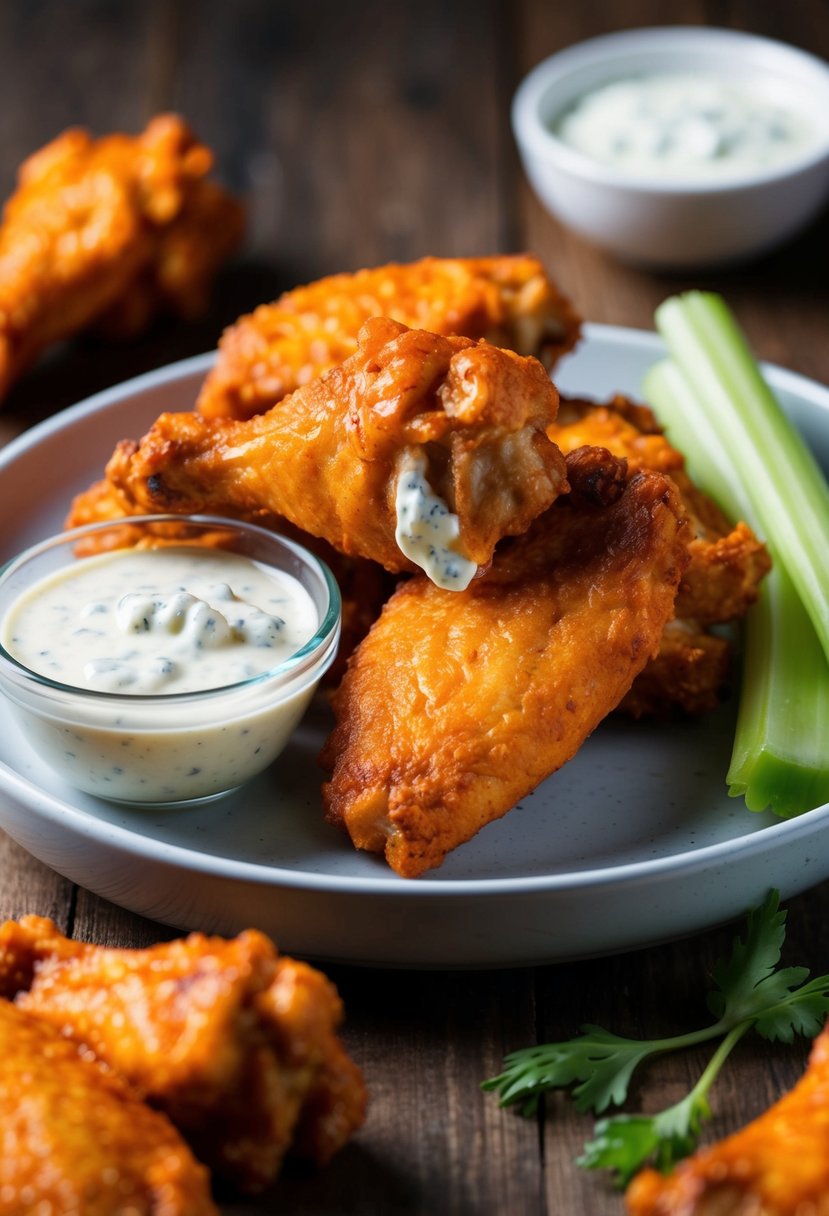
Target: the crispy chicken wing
pixel 510 301
pixel 776 1166
pixel 236 1044
pixel 727 563
pixel 74 1138
pixel 330 457
pixel 108 231
pixel 457 704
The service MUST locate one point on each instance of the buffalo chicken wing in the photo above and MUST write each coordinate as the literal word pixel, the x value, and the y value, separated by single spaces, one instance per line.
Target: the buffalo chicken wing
pixel 727 562
pixel 75 1139
pixel 458 704
pixel 236 1044
pixel 509 301
pixel 330 457
pixel 108 232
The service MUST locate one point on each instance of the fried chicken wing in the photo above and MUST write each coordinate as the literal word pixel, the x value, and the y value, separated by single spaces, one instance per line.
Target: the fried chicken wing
pixel 108 231
pixel 74 1138
pixel 458 704
pixel 776 1166
pixel 236 1044
pixel 330 457
pixel 727 562
pixel 510 301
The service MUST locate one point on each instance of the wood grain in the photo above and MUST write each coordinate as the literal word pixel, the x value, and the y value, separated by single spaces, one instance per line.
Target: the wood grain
pixel 360 134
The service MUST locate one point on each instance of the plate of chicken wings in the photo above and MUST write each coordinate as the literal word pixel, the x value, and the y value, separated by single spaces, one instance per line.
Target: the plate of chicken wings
pixel 520 756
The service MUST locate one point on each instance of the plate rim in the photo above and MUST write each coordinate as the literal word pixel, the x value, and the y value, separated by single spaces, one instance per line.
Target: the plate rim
pixel 146 847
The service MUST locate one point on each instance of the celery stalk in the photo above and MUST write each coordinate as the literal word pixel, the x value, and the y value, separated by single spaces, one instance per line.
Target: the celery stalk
pixel 778 473
pixel 780 758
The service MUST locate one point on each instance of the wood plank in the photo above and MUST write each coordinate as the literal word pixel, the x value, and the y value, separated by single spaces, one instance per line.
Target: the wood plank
pixel 29 887
pixel 361 155
pixel 433 1141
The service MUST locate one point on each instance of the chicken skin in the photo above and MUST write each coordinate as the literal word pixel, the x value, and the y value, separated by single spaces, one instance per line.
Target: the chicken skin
pixel 236 1044
pixel 74 1138
pixel 329 458
pixel 510 301
pixel 108 232
pixel 727 562
pixel 776 1166
pixel 458 704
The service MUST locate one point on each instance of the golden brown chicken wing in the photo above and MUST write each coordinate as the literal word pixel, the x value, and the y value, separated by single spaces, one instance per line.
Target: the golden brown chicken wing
pixel 458 704
pixel 776 1166
pixel 75 1139
pixel 465 420
pixel 510 301
pixel 235 1044
pixel 108 231
pixel 727 562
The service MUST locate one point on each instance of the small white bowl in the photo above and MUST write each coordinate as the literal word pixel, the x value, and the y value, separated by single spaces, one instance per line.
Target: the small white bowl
pixel 677 221
pixel 183 747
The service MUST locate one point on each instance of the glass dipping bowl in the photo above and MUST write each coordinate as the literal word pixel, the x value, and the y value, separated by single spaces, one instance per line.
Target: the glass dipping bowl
pixel 179 747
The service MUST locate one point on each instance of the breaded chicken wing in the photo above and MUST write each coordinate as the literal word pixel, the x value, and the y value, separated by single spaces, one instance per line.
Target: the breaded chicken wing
pixel 467 418
pixel 458 704
pixel 236 1044
pixel 776 1166
pixel 76 1141
pixel 108 231
pixel 510 301
pixel 727 562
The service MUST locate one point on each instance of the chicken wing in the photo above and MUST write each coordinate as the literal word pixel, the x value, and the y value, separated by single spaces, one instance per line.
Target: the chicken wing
pixel 727 562
pixel 510 301
pixel 236 1044
pixel 458 704
pixel 776 1166
pixel 466 418
pixel 108 231
pixel 74 1138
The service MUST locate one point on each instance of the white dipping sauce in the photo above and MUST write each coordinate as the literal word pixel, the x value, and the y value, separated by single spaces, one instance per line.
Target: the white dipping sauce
pixel 166 620
pixel 157 622
pixel 427 531
pixel 684 125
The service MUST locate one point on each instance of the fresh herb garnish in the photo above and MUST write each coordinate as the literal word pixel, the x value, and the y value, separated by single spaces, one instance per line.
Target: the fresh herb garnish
pixel 750 992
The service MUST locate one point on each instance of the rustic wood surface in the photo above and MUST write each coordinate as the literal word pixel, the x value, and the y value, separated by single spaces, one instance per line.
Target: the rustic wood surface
pixel 361 133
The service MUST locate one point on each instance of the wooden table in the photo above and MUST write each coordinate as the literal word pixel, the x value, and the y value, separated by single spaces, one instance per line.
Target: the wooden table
pixel 363 133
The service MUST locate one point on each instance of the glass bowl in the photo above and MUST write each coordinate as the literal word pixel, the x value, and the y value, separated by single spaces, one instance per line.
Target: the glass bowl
pixel 177 747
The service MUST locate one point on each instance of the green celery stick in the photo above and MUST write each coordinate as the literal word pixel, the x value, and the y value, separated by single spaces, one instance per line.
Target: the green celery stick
pixel 778 473
pixel 780 756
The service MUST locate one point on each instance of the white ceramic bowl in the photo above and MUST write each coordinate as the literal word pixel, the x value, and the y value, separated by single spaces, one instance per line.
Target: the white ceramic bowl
pixel 178 748
pixel 674 222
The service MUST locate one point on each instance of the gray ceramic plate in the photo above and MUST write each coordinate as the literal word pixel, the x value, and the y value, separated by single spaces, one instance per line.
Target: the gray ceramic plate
pixel 633 842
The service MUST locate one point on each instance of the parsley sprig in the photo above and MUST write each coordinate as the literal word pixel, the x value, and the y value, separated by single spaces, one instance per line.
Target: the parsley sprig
pixel 750 992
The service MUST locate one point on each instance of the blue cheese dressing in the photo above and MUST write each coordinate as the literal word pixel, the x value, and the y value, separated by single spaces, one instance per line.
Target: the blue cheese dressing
pixel 140 625
pixel 427 532
pixel 697 126
pixel 168 620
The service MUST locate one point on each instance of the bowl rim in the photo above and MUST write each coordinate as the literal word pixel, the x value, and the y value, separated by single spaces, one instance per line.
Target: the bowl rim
pixel 309 660
pixel 535 137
